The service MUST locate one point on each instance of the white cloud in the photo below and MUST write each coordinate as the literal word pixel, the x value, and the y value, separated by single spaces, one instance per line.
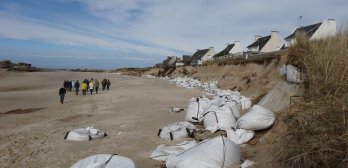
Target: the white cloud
pixel 157 28
pixel 188 25
pixel 24 28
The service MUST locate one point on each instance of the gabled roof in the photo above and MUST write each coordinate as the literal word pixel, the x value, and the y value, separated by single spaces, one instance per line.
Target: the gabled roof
pixel 225 51
pixel 198 55
pixel 260 42
pixel 308 30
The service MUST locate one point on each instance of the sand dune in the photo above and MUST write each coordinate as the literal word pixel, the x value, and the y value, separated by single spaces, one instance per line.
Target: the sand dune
pixel 131 113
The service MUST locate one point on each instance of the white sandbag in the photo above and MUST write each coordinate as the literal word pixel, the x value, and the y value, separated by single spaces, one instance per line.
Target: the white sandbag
pixel 211 153
pixel 195 109
pixel 176 130
pixel 235 107
pixel 240 136
pixel 105 161
pixel 246 102
pixel 257 118
pixel 293 74
pixel 221 118
pixel 163 152
pixel 83 134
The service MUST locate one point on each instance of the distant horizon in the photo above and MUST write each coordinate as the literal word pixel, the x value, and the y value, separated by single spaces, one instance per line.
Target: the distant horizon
pixel 69 68
pixel 103 34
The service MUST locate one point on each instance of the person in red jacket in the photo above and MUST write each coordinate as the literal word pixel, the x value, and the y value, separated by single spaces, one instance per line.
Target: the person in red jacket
pixel 62 92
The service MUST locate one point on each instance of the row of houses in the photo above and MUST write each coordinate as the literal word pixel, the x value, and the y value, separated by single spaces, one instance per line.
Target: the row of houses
pixel 262 44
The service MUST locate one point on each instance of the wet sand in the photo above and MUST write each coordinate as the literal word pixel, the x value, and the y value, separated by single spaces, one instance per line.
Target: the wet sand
pixel 131 112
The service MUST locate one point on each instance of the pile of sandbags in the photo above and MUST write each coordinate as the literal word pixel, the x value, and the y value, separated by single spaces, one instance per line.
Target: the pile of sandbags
pixel 186 82
pixel 148 76
pixel 195 108
pixel 219 112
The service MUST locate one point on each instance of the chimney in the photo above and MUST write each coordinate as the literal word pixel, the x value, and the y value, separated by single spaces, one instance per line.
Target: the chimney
pixel 257 37
pixel 274 34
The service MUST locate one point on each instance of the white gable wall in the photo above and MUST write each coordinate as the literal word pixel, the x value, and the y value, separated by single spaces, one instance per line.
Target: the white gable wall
pixel 273 43
pixel 326 29
pixel 236 48
pixel 209 55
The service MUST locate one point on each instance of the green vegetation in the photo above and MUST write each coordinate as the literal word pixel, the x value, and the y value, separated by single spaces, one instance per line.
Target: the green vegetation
pixel 317 134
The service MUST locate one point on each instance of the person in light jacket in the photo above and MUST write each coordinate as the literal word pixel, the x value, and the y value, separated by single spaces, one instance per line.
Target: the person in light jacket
pixel 91 87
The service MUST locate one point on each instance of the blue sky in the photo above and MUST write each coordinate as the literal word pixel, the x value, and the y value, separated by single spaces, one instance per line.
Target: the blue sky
pixel 138 33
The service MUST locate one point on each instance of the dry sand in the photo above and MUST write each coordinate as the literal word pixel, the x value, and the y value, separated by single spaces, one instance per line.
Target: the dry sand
pixel 131 113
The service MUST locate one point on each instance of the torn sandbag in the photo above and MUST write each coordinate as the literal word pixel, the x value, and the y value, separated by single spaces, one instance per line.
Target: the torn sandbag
pixel 257 118
pixel 219 118
pixel 216 152
pixel 293 74
pixel 195 109
pixel 176 130
pixel 105 161
pixel 83 134
pixel 163 152
pixel 240 136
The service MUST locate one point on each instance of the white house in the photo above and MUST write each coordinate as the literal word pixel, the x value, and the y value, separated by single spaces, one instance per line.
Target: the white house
pixel 320 30
pixel 170 61
pixel 265 44
pixel 203 55
pixel 231 49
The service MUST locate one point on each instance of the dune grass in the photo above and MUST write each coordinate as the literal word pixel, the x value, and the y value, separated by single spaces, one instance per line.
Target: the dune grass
pixel 317 134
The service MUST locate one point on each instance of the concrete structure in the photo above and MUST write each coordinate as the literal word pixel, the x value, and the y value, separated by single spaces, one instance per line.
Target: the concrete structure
pixel 203 55
pixel 265 44
pixel 320 30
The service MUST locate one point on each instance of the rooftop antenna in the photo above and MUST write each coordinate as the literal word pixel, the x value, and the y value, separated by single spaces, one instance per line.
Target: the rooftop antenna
pixel 300 20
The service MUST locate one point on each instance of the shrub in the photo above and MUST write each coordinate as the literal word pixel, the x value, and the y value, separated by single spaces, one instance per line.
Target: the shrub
pixel 317 134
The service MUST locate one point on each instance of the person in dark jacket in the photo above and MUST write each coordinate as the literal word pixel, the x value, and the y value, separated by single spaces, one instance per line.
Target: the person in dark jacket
pixel 62 92
pixel 77 87
pixel 104 82
pixel 108 84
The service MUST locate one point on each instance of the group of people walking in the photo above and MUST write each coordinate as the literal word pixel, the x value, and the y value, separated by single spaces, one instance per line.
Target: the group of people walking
pixel 91 85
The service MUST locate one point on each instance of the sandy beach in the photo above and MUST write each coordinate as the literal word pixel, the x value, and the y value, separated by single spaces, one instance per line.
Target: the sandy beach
pixel 131 113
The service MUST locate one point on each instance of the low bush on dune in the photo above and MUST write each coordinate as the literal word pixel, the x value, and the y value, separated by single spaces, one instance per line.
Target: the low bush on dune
pixel 317 134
